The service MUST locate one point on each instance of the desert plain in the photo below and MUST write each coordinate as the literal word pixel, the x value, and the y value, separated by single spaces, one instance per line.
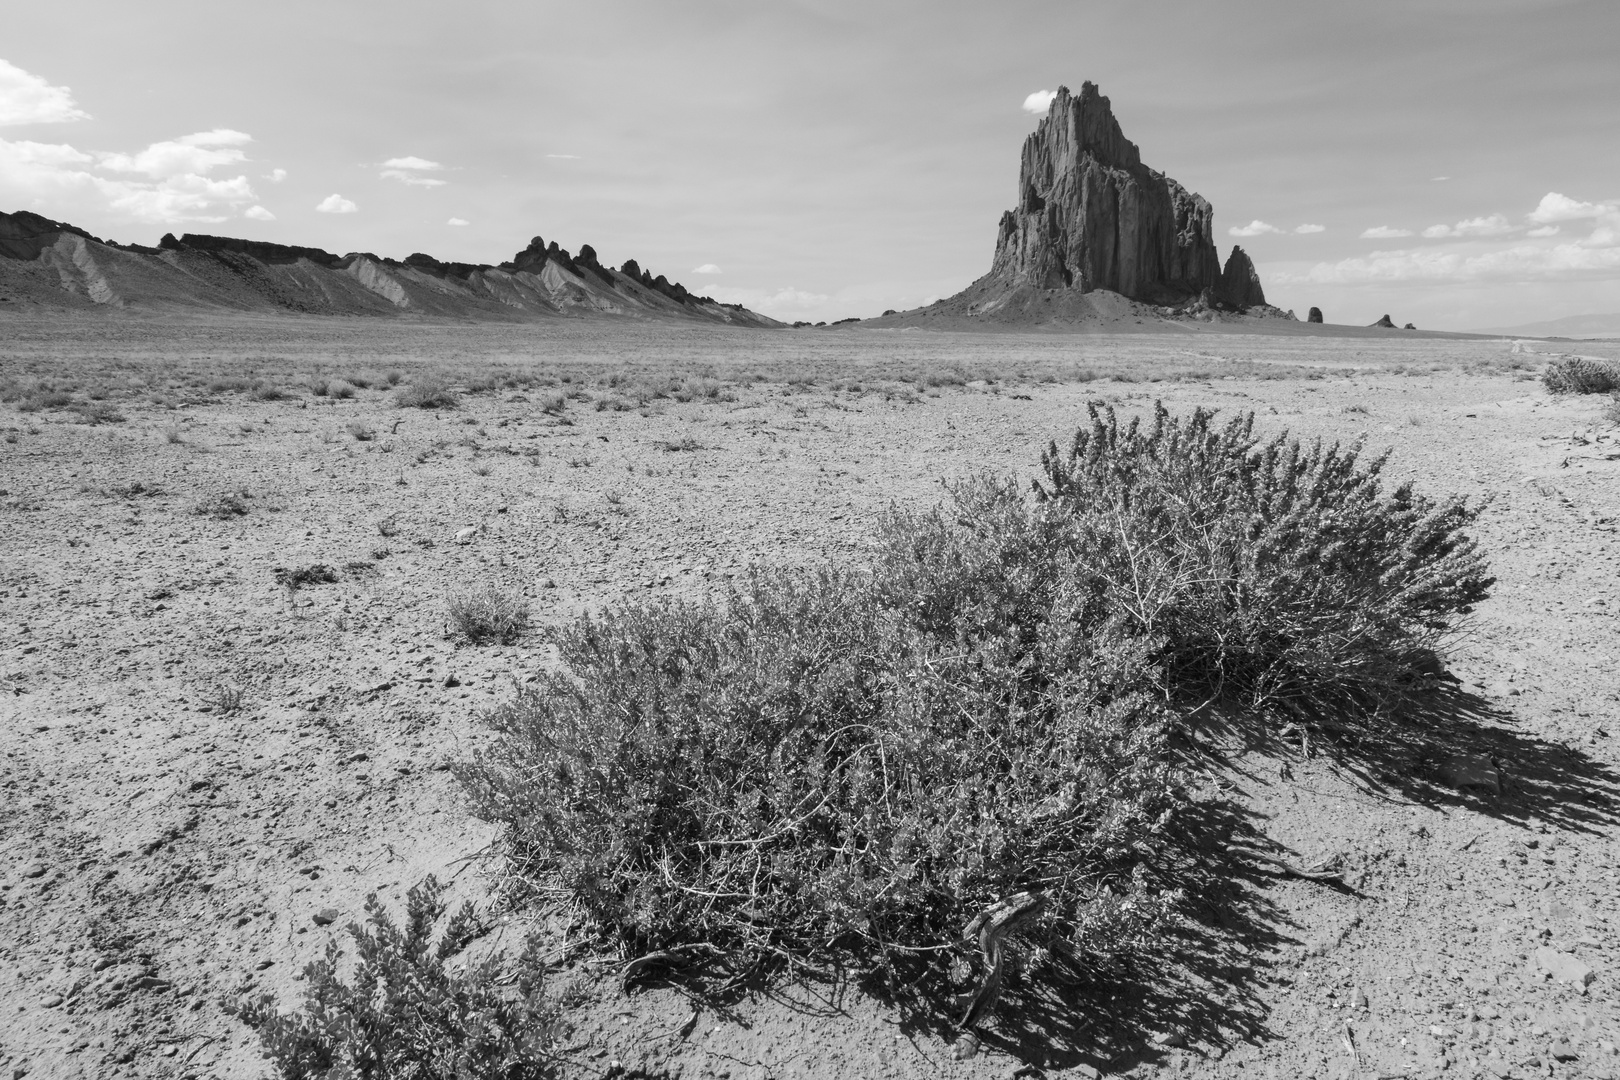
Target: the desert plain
pixel 207 771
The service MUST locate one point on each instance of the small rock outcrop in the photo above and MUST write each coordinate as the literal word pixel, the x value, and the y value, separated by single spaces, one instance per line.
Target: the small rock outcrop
pixel 1386 322
pixel 1240 284
pixel 1315 315
pixel 1091 216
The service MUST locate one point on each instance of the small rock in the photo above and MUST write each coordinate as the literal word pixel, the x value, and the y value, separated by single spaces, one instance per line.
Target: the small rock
pixel 466 535
pixel 263 964
pixel 51 1001
pixel 326 916
pixel 1170 1039
pixel 966 1047
pixel 1471 770
pixel 34 870
pixel 1358 1000
pixel 1563 1051
pixel 1563 967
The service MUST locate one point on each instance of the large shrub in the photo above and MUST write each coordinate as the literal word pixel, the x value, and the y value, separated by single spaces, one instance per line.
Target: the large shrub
pixel 866 759
pixel 1580 375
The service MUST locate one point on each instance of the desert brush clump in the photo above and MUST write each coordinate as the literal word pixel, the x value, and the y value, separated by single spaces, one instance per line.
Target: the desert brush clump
pixel 488 614
pixel 860 761
pixel 404 1013
pixel 427 392
pixel 1580 375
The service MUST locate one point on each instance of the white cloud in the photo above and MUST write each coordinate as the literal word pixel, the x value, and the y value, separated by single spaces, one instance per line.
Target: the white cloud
pixel 29 99
pixel 336 204
pixel 458 221
pixel 765 300
pixel 189 154
pixel 258 213
pixel 411 178
pixel 1521 263
pixel 1306 230
pixel 563 157
pixel 1495 225
pixel 706 268
pixel 1555 207
pixel 1039 101
pixel 277 176
pixel 1253 228
pixel 422 164
pixel 1545 230
pixel 1384 232
pixel 1438 179
pixel 169 193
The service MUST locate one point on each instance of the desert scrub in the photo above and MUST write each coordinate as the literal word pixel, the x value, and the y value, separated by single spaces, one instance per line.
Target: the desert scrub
pixel 837 761
pixel 427 392
pixel 1579 375
pixel 488 614
pixel 404 1014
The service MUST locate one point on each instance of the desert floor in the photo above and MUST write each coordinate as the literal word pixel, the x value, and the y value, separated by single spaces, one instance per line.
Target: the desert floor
pixel 161 853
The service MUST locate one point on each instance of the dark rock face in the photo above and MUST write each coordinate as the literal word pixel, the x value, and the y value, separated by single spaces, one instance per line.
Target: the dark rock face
pixel 1408 326
pixel 1091 216
pixel 1385 322
pixel 1240 284
pixel 259 249
pixel 1315 315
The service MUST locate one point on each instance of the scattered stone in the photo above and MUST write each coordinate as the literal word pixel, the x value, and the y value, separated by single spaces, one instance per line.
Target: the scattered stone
pixel 1562 1050
pixel 326 916
pixel 1471 770
pixel 34 870
pixel 1563 967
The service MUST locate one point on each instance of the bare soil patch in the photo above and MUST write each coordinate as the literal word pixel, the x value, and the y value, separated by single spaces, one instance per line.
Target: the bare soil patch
pixel 215 751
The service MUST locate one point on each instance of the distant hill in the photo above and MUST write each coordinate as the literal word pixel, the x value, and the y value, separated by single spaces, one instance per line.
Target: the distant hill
pixel 47 264
pixel 1570 326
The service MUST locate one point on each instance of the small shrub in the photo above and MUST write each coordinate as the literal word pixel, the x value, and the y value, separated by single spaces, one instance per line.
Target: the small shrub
pixel 228 383
pixel 394 377
pixel 404 1014
pixel 1578 375
pixel 361 432
pixel 99 412
pixel 224 506
pixel 319 386
pixel 489 615
pixel 428 392
pixel 388 526
pixel 263 391
pixel 228 699
pixel 297 578
pixel 1611 411
pixel 684 444
pixel 340 390
pixel 362 381
pixel 173 436
pixel 552 403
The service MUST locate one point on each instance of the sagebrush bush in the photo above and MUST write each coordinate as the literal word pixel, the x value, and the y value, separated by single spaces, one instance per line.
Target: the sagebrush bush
pixel 428 392
pixel 488 614
pixel 404 1014
pixel 1579 375
pixel 862 760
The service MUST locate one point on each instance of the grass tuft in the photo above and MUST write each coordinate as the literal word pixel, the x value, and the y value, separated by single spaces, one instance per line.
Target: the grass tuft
pixel 488 615
pixel 428 392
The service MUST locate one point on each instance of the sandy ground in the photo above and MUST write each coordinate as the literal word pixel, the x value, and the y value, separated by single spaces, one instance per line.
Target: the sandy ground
pixel 160 853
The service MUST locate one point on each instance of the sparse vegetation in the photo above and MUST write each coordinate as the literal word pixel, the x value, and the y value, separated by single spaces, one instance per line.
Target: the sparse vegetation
pixel 1579 375
pixel 299 577
pixel 488 615
pixel 829 760
pixel 224 506
pixel 404 1013
pixel 427 392
pixel 361 432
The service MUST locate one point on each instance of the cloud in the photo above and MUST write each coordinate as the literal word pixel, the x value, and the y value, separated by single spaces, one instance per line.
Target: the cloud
pixel 1495 225
pixel 1039 101
pixel 29 99
pixel 1438 179
pixel 411 178
pixel 335 204
pixel 1555 207
pixel 1384 232
pixel 458 221
pixel 1253 228
pixel 258 213
pixel 1545 230
pixel 189 154
pixel 170 184
pixel 706 268
pixel 277 176
pixel 788 299
pixel 422 164
pixel 563 157
pixel 1306 230
pixel 1521 263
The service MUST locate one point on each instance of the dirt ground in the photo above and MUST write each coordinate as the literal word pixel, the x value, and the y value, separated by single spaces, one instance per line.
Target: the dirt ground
pixel 162 851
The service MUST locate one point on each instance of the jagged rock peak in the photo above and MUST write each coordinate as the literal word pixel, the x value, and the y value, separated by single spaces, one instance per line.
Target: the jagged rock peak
pixel 1315 315
pixel 1240 283
pixel 1091 216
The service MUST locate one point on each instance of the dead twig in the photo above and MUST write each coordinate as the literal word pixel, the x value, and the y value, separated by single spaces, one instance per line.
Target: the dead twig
pixel 681 956
pixel 993 926
pixel 1328 869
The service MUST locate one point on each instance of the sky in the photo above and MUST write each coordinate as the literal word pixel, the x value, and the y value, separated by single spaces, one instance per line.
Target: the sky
pixel 1454 163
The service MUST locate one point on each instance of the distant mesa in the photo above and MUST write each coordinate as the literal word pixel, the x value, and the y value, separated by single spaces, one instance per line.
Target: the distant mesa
pixel 1092 218
pixel 53 265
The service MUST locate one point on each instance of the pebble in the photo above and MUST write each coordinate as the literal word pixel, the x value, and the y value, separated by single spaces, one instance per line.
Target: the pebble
pixel 1563 967
pixel 326 916
pixel 34 870
pixel 1563 1051
pixel 51 1001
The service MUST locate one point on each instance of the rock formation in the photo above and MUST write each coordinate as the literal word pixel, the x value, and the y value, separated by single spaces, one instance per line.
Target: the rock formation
pixel 1315 315
pixel 1386 322
pixel 1090 215
pixel 49 264
pixel 1240 285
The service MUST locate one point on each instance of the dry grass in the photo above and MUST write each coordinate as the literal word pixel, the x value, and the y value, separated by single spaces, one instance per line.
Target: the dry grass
pixel 488 614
